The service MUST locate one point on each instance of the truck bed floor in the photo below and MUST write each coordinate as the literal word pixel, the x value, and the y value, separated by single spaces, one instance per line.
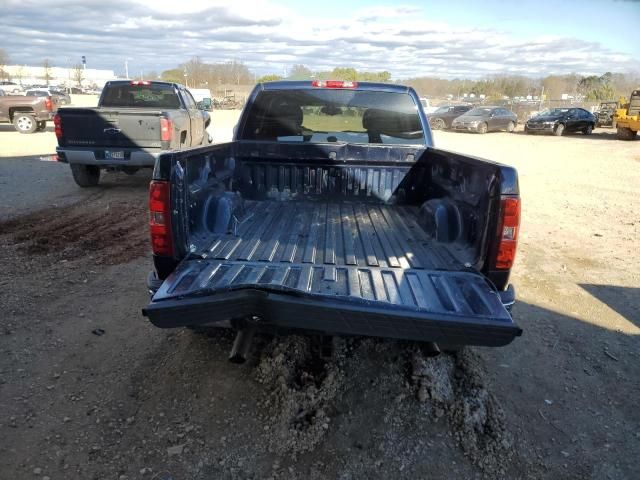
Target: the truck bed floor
pixel 332 234
pixel 363 252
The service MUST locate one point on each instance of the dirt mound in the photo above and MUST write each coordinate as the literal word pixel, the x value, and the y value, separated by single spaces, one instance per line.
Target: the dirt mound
pixel 310 397
pixel 115 232
pixel 455 388
pixel 300 388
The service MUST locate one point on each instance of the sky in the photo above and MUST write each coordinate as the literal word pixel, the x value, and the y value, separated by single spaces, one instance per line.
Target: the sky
pixel 448 39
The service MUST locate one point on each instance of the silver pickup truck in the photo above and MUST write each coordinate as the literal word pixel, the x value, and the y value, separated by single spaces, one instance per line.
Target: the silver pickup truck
pixel 134 123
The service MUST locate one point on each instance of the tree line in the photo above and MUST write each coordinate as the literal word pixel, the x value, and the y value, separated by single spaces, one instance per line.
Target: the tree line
pixel 301 72
pixel 199 74
pixel 609 86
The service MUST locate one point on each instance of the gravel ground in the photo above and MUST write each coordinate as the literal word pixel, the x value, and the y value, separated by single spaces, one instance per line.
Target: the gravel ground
pixel 90 390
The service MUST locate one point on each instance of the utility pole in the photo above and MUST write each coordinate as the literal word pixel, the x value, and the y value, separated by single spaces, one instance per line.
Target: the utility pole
pixel 541 98
pixel 126 68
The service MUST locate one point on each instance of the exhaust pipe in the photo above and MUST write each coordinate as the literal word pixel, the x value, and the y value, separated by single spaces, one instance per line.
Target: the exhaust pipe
pixel 430 349
pixel 241 345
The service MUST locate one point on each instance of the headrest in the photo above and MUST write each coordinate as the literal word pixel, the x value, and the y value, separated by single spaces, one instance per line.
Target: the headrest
pixel 286 113
pixel 384 121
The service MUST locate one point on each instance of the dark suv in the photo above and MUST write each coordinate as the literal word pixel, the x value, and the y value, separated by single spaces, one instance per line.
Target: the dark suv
pixel 562 120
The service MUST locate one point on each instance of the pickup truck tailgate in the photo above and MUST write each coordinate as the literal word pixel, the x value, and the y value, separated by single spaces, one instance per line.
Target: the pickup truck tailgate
pixel 127 128
pixel 357 269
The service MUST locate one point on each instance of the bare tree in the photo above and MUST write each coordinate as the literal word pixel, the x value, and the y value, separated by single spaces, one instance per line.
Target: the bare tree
pixel 77 73
pixel 46 65
pixel 300 72
pixel 195 72
pixel 4 59
pixel 19 74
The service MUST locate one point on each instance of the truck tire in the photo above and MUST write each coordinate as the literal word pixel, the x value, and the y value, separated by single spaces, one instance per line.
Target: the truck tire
pixel 588 130
pixel 625 133
pixel 25 122
pixel 559 130
pixel 85 175
pixel 42 125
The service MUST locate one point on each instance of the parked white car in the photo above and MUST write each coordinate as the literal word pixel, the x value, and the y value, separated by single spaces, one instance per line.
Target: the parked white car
pixel 426 105
pixel 11 88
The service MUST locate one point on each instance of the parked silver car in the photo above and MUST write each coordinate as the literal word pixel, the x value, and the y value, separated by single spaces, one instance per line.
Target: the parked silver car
pixel 61 97
pixel 486 119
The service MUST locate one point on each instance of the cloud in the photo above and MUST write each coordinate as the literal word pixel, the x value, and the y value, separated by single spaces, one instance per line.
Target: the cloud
pixel 267 37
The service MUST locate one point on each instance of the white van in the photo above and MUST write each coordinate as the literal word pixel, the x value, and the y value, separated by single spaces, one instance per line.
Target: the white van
pixel 202 96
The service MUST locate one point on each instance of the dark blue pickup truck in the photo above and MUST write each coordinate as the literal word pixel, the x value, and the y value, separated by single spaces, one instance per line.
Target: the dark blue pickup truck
pixel 332 212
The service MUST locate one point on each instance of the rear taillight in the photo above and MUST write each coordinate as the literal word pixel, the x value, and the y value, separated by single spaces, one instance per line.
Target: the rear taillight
pixel 141 82
pixel 48 104
pixel 160 218
pixel 166 126
pixel 508 232
pixel 334 84
pixel 57 123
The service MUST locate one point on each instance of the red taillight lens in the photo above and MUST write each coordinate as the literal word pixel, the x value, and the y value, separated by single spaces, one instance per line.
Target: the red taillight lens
pixel 334 84
pixel 57 123
pixel 48 104
pixel 166 126
pixel 508 232
pixel 141 82
pixel 160 218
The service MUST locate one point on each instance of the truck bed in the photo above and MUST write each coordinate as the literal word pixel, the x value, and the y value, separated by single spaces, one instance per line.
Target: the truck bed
pixel 369 267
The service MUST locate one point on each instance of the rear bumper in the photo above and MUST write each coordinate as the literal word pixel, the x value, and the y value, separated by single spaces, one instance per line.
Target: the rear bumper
pixel 45 116
pixel 275 309
pixel 133 157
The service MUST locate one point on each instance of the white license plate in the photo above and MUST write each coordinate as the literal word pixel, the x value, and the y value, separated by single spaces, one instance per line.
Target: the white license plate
pixel 114 155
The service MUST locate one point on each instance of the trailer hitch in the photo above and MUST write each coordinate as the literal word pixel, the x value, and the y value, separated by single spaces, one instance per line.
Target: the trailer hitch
pixel 242 343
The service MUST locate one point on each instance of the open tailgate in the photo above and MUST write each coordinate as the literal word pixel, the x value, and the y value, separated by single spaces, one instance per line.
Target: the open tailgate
pixel 414 304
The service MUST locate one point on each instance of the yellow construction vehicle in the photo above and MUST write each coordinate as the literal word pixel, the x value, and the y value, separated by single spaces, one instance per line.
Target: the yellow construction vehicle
pixel 627 118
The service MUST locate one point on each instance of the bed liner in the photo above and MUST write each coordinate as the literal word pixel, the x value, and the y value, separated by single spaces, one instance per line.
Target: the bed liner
pixel 351 268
